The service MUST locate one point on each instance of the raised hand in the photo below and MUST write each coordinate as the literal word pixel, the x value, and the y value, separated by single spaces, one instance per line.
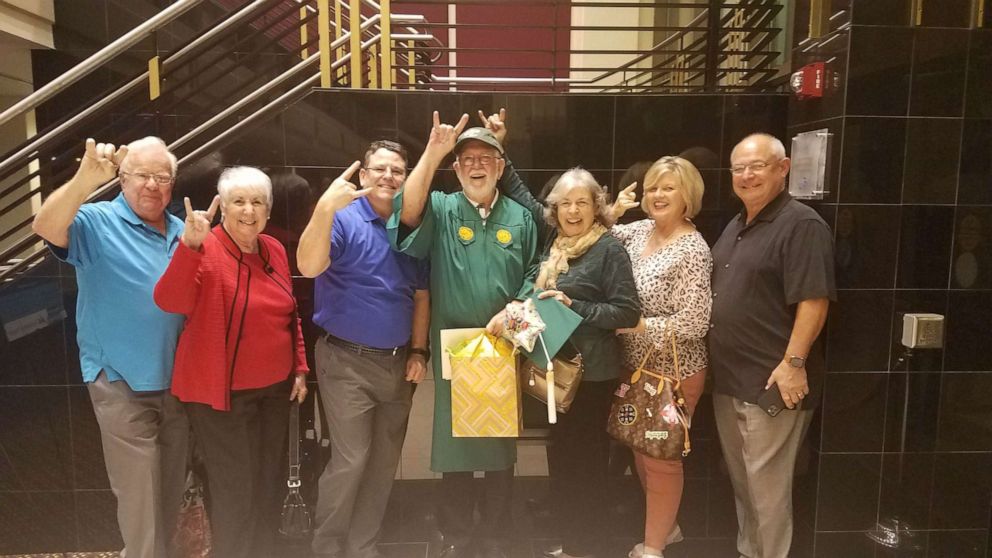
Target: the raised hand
pixel 100 162
pixel 198 223
pixel 443 136
pixel 626 199
pixel 342 191
pixel 496 123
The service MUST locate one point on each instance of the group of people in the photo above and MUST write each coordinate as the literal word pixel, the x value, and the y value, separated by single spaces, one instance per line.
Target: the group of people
pixel 185 325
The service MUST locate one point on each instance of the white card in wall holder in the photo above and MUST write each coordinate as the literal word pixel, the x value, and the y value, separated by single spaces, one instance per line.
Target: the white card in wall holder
pixel 808 178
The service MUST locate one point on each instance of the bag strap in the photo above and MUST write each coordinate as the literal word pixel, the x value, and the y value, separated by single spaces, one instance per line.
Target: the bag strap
pixel 294 447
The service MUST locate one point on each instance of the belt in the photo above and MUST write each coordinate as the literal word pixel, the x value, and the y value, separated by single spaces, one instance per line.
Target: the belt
pixel 361 349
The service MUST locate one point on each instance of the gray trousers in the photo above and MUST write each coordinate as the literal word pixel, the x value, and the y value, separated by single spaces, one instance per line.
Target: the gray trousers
pixel 761 457
pixel 145 437
pixel 367 402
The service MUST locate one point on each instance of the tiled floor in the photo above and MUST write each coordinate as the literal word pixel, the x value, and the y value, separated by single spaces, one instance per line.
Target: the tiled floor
pixel 409 529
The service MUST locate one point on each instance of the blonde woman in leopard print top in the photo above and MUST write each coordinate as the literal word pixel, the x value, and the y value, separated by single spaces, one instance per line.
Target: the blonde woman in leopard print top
pixel 672 266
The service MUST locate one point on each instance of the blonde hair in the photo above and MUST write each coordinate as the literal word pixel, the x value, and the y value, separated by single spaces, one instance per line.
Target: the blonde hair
pixel 577 176
pixel 690 182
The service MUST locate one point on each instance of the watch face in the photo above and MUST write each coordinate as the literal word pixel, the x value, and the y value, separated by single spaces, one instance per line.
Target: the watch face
pixel 797 362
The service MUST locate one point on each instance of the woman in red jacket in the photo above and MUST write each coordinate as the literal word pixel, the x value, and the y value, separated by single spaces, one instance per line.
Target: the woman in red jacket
pixel 240 359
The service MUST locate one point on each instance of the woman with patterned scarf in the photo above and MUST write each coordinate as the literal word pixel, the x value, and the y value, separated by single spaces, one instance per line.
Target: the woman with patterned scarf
pixel 589 271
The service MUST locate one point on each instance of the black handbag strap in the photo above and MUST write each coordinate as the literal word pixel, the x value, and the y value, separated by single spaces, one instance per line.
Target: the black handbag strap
pixel 294 446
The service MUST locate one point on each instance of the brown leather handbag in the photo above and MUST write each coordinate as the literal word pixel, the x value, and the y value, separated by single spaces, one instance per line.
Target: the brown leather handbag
pixel 649 413
pixel 567 377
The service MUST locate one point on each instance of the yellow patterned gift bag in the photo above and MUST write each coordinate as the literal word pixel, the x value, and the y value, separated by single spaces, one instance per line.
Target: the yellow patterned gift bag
pixel 485 395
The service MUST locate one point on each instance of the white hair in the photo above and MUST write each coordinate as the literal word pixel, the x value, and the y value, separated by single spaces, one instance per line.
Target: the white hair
pixel 149 143
pixel 777 148
pixel 244 177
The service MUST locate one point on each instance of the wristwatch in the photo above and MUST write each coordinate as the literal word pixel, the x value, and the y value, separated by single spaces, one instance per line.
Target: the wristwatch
pixel 426 353
pixel 795 361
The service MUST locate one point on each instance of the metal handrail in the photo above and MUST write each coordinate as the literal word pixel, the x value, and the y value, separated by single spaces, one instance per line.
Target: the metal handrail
pixel 97 59
pixel 582 81
pixel 239 17
pixel 297 90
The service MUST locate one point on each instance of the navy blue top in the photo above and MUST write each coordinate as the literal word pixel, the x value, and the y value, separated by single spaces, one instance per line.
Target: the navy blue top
pixel 118 259
pixel 366 295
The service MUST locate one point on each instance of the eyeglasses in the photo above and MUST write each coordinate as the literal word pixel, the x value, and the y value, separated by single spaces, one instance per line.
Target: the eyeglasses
pixel 471 160
pixel 754 167
pixel 144 177
pixel 397 171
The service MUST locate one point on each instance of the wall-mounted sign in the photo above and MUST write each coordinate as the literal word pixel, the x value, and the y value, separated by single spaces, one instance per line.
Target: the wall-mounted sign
pixel 810 164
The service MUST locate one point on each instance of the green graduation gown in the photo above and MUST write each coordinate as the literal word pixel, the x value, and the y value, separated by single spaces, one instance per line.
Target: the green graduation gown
pixel 476 268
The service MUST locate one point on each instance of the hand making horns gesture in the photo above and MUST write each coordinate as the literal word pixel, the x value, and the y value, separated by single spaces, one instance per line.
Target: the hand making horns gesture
pixel 198 223
pixel 342 191
pixel 100 162
pixel 495 123
pixel 626 199
pixel 443 136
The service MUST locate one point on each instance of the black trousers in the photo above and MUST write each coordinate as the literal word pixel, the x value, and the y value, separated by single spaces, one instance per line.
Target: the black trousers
pixel 456 508
pixel 578 464
pixel 244 454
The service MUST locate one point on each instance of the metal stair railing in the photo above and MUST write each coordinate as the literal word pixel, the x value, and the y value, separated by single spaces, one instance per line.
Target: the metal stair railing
pixel 285 80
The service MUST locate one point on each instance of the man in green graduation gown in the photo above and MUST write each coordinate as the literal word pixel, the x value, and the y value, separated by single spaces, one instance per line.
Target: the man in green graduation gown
pixel 483 251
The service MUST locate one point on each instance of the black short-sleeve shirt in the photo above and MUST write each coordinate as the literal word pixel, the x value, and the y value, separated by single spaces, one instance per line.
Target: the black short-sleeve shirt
pixel 761 271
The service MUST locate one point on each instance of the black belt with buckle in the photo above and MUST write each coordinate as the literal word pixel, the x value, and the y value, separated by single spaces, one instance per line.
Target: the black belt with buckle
pixel 361 349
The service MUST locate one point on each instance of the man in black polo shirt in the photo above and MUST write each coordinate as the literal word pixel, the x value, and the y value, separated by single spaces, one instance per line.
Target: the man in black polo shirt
pixel 773 280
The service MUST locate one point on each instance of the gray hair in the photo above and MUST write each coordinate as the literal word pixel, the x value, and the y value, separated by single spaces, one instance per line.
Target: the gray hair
pixel 577 176
pixel 778 150
pixel 244 177
pixel 150 143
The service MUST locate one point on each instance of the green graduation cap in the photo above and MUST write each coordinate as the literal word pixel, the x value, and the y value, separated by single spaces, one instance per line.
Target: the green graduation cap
pixel 560 321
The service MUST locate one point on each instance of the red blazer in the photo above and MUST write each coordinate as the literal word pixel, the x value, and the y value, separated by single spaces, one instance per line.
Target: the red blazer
pixel 204 285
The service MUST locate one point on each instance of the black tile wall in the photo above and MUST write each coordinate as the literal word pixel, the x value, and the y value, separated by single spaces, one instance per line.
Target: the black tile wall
pixel 879 69
pixel 881 12
pixel 978 102
pixel 969 319
pixel 931 173
pixel 865 241
pixel 873 155
pixel 858 331
pixel 975 185
pixel 912 412
pixel 972 256
pixel 965 420
pixel 846 480
pixel 939 62
pixel 962 490
pixel 925 246
pixel 852 404
pixel 912 217
pixel 37 521
pixel 907 487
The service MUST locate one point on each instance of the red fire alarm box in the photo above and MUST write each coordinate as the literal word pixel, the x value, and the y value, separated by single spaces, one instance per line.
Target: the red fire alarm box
pixel 810 80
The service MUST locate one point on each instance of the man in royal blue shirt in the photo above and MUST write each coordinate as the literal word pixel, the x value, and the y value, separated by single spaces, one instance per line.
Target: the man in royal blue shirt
pixel 374 308
pixel 126 343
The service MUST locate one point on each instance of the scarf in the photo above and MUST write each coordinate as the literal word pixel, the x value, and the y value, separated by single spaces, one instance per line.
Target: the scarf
pixel 563 249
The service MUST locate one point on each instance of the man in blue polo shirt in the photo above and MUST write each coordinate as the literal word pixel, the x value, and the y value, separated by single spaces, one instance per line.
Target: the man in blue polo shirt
pixel 126 344
pixel 374 308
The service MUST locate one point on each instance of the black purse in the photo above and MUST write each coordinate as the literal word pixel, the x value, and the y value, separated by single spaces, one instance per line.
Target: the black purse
pixel 296 521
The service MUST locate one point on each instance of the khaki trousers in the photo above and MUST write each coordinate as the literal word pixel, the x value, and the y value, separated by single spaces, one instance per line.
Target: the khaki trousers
pixel 145 437
pixel 761 457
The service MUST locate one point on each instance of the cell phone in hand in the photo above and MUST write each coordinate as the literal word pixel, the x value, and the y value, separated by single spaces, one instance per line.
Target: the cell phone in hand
pixel 771 401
